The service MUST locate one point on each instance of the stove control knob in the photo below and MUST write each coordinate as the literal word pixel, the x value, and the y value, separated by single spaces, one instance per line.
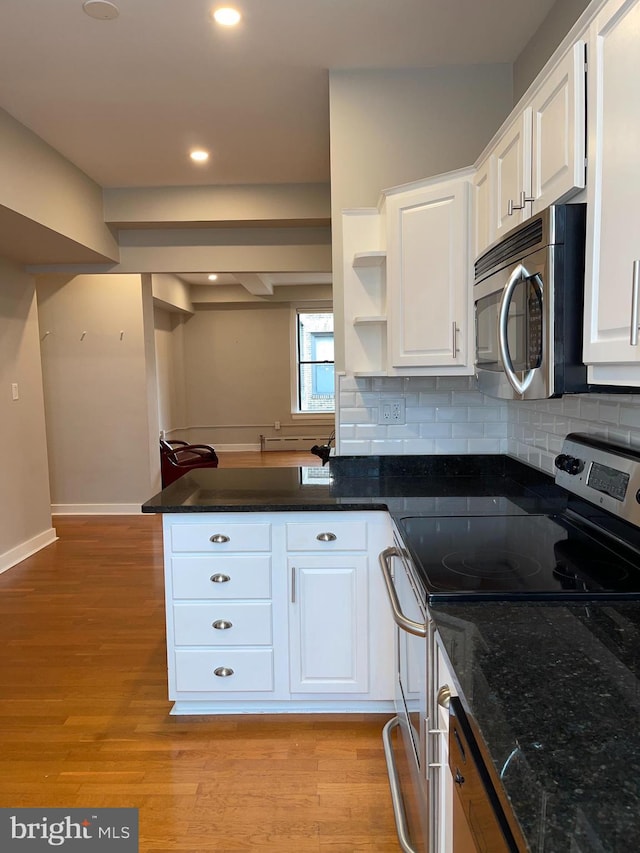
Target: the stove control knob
pixel 569 464
pixel 560 460
pixel 574 465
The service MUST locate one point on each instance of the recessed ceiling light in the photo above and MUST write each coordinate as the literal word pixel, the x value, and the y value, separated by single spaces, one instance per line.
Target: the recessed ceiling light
pixel 227 16
pixel 199 156
pixel 103 10
pixel 212 277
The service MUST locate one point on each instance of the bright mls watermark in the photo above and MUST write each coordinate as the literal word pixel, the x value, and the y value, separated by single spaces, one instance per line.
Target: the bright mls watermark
pixel 72 830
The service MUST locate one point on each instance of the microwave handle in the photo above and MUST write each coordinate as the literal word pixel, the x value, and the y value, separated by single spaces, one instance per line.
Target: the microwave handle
pixel 503 340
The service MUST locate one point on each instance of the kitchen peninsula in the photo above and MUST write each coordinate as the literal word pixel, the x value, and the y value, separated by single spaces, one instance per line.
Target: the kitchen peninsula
pixel 552 686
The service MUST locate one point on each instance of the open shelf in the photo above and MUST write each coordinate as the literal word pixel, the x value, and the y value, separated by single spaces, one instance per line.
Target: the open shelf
pixel 361 321
pixel 369 259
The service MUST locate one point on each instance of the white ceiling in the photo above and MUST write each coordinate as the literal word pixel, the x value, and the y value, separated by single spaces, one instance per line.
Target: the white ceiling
pixel 125 99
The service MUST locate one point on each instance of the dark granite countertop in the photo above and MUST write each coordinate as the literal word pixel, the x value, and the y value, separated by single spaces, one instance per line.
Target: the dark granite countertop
pixel 553 688
pixel 555 692
pixel 402 485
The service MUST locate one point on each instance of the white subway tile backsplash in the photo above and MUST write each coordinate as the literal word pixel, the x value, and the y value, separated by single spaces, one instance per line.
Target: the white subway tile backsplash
pixel 435 430
pixel 447 415
pixel 467 430
pixel 451 445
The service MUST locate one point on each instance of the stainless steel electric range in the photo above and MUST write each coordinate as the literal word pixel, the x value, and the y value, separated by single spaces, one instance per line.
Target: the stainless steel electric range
pixel 589 550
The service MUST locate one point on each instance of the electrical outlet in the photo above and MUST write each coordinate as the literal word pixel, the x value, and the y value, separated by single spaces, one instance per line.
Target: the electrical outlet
pixel 392 412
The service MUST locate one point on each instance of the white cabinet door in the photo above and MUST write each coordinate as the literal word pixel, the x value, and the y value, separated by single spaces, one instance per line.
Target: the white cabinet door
pixel 613 212
pixel 558 108
pixel 328 624
pixel 428 276
pixel 483 205
pixel 512 170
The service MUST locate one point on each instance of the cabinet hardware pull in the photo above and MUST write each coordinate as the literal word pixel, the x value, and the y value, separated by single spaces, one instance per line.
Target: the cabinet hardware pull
pixel 455 339
pixel 223 671
pixel 524 198
pixel 326 537
pixel 293 584
pixel 417 628
pixel 444 696
pixel 219 578
pixel 221 625
pixel 635 292
pixel 218 538
pixel 402 828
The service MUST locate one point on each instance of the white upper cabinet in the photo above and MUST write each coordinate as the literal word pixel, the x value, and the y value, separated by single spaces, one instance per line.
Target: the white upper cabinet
pixel 558 128
pixel 407 306
pixel 428 278
pixel 512 170
pixel 483 206
pixel 539 158
pixel 611 347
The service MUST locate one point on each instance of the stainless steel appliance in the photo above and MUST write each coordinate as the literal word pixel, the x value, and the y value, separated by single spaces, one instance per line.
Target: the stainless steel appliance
pixel 407 766
pixel 528 295
pixel 588 549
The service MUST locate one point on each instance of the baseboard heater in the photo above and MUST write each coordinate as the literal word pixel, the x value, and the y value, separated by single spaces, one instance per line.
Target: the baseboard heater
pixel 288 442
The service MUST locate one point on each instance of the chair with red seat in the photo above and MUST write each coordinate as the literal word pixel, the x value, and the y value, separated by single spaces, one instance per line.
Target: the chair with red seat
pixel 179 457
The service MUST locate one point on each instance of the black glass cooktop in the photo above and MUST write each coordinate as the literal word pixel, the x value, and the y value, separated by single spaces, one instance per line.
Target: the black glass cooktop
pixel 524 557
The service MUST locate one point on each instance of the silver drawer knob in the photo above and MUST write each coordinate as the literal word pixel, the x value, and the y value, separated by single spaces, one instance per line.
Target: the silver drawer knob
pixel 221 625
pixel 326 537
pixel 218 538
pixel 444 696
pixel 223 672
pixel 219 578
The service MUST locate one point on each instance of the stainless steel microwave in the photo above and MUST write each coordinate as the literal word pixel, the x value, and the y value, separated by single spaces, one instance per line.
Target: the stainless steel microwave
pixel 528 296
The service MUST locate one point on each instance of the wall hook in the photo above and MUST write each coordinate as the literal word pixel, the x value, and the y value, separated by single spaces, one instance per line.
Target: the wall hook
pixel 121 335
pixel 45 335
pixel 82 336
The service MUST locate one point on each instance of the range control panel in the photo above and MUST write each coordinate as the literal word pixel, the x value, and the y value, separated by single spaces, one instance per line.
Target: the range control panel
pixel 607 475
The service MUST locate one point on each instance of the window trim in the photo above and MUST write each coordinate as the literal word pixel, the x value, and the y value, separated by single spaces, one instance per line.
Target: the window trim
pixel 301 308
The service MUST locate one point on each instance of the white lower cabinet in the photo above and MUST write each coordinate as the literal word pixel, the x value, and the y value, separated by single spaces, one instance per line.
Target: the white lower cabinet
pixel 328 624
pixel 290 617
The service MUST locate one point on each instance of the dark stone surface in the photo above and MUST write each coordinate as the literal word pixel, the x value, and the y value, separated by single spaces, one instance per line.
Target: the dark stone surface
pixel 555 692
pixel 395 483
pixel 554 689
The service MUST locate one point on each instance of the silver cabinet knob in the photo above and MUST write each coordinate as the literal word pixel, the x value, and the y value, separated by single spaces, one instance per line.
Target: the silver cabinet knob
pixel 218 538
pixel 223 671
pixel 221 624
pixel 326 537
pixel 219 578
pixel 444 696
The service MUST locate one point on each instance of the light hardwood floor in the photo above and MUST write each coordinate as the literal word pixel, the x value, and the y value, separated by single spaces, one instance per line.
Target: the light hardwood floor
pixel 84 718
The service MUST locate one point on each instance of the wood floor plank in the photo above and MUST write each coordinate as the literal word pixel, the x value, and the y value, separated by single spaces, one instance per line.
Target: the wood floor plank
pixel 84 714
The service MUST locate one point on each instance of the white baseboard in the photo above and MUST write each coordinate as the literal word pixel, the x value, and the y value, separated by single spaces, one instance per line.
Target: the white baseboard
pixel 235 448
pixel 96 509
pixel 26 549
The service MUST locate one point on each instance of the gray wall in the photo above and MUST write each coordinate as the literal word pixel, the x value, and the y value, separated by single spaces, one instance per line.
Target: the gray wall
pixel 98 377
pixel 237 374
pixel 25 517
pixel 553 29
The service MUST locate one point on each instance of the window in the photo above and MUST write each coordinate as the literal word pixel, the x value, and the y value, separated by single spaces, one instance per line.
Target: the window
pixel 315 362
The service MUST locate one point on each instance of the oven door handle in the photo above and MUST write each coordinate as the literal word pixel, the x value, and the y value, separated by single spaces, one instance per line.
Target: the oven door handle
pixel 518 386
pixel 402 621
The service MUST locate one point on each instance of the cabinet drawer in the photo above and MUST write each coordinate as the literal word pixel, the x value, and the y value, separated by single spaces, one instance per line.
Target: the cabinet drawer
pixel 349 536
pixel 222 624
pixel 221 578
pixel 251 669
pixel 231 537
